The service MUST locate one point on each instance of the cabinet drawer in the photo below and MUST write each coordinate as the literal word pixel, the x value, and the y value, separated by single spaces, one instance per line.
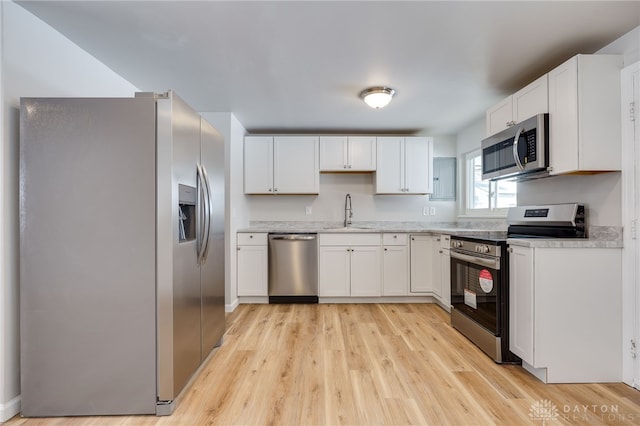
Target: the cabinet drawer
pixel 349 239
pixel 394 239
pixel 252 239
pixel 445 241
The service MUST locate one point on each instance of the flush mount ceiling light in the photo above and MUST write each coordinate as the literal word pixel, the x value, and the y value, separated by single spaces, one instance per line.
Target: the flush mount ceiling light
pixel 377 97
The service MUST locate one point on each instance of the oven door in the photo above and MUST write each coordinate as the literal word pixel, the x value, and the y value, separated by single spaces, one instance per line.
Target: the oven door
pixel 476 288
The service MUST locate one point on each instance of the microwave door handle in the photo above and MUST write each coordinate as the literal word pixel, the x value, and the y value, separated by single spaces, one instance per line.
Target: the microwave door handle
pixel 516 139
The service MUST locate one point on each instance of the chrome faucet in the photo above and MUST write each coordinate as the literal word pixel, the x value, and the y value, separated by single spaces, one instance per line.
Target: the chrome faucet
pixel 348 211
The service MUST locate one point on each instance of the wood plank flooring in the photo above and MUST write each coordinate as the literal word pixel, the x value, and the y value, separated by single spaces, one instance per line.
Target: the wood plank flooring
pixel 369 364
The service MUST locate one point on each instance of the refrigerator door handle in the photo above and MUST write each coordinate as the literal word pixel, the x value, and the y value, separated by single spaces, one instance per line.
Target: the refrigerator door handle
pixel 201 213
pixel 205 212
pixel 208 212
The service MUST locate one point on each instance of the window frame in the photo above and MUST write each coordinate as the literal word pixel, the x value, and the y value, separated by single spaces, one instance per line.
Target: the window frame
pixel 469 183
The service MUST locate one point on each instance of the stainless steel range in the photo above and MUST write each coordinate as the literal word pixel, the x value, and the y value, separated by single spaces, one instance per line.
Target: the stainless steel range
pixel 480 272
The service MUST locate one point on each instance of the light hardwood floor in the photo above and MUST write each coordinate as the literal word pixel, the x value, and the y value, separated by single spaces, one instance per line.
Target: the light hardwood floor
pixel 369 364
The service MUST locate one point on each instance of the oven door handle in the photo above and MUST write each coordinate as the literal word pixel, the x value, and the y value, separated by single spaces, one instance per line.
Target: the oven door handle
pixel 489 263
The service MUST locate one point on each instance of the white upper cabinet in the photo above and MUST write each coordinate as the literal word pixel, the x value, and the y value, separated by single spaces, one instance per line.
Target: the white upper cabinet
pixel 404 165
pixel 281 165
pixel 584 114
pixel 258 165
pixel 525 103
pixel 390 169
pixel 500 116
pixel 347 153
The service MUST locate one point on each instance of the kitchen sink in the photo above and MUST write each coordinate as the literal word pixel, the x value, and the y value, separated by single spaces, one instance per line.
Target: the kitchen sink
pixel 348 229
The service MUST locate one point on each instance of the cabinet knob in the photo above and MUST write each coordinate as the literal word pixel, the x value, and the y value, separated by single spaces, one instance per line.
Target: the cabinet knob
pixel 440 251
pixel 395 236
pixel 510 250
pixel 270 189
pixel 238 248
pixel 385 249
pixel 250 236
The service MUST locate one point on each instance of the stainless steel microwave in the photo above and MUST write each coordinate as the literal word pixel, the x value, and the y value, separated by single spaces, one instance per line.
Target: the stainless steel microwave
pixel 518 150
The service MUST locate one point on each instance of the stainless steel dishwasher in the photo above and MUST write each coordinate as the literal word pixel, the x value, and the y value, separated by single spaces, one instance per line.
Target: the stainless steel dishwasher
pixel 293 268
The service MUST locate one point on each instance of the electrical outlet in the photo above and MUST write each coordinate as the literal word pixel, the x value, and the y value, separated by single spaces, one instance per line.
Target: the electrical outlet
pixel 307 210
pixel 425 211
pixel 432 211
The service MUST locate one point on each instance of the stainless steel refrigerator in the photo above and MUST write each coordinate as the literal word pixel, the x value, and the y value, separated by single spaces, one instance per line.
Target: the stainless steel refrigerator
pixel 121 252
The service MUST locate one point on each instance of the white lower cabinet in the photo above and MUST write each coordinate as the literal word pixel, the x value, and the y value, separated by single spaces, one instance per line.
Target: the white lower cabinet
pixel 349 265
pixel 565 312
pixel 395 265
pixel 334 268
pixel 252 264
pixel 442 271
pixel 422 263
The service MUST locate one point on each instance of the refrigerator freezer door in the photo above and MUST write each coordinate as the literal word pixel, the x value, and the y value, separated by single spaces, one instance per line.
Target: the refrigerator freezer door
pixel 212 266
pixel 87 256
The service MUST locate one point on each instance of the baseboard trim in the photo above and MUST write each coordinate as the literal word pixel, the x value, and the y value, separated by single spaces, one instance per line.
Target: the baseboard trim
pixel 9 409
pixel 230 307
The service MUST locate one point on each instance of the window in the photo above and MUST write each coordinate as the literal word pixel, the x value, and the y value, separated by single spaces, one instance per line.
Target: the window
pixel 483 196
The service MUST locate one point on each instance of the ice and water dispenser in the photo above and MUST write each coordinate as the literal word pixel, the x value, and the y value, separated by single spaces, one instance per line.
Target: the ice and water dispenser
pixel 187 197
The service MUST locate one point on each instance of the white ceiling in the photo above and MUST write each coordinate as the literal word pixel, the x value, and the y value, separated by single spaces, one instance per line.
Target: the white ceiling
pixel 293 66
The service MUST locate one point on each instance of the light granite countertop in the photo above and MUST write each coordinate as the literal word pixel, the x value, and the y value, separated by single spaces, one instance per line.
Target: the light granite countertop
pixel 599 236
pixel 451 228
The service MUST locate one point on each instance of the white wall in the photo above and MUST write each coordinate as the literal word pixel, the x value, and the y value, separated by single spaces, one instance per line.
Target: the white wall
pixel 329 204
pixel 600 193
pixel 237 211
pixel 36 61
pixel 469 138
pixel 627 45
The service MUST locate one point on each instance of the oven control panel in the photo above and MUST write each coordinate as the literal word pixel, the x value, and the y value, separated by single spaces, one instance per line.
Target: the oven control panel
pixel 480 247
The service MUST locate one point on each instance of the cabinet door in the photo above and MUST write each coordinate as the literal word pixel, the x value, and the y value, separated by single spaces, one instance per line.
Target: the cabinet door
pixel 531 100
pixel 296 165
pixel 362 153
pixel 499 116
pixel 334 268
pixel 563 117
pixel 421 270
pixel 333 153
pixel 258 165
pixel 445 277
pixel 437 269
pixel 252 271
pixel 418 155
pixel 521 302
pixel 366 273
pixel 390 165
pixel 395 271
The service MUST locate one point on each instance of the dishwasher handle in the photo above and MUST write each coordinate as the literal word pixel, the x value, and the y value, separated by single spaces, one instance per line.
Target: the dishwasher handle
pixel 293 237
